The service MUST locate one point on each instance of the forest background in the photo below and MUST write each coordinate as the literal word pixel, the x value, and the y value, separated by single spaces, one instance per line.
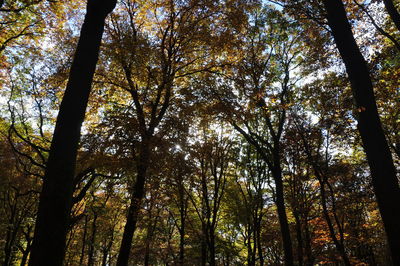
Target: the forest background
pixel 227 132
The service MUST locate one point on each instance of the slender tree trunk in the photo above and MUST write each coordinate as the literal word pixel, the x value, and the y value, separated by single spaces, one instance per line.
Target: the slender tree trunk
pixel 56 197
pixel 135 204
pixel 309 257
pixel 182 247
pixel 250 253
pixel 379 157
pixel 257 231
pixel 339 246
pixel 283 221
pixel 149 238
pixel 323 180
pixel 393 13
pixel 8 247
pixel 82 257
pixel 182 232
pixel 104 258
pixel 250 260
pixel 299 238
pixel 24 258
pixel 92 241
pixel 253 249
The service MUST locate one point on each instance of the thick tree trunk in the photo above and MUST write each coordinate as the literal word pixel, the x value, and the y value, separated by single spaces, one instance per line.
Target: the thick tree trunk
pixel 379 157
pixel 56 197
pixel 203 250
pixel 135 204
pixel 212 248
pixel 393 13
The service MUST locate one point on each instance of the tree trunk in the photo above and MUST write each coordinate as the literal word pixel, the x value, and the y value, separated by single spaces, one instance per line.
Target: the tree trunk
pixel 182 232
pixel 257 231
pixel 379 157
pixel 82 257
pixel 56 197
pixel 212 248
pixel 92 241
pixel 299 238
pixel 309 257
pixel 136 202
pixel 393 13
pixel 339 246
pixel 203 249
pixel 283 221
pixel 24 258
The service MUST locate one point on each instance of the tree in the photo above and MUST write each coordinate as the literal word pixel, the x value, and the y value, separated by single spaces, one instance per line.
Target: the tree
pixel 379 157
pixel 263 87
pixel 56 197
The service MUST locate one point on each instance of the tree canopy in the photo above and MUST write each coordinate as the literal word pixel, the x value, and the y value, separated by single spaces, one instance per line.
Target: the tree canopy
pixel 197 132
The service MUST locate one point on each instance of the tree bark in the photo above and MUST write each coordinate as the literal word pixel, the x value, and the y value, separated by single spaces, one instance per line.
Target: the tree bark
pixel 393 13
pixel 259 244
pixel 379 157
pixel 283 221
pixel 56 197
pixel 212 261
pixel 135 204
pixel 182 229
pixel 91 260
pixel 299 238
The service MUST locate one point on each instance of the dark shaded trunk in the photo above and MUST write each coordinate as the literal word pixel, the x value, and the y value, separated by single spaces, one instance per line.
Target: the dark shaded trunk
pixel 8 248
pixel 250 253
pixel 203 251
pixel 11 234
pixel 252 250
pixel 393 13
pixel 24 258
pixel 106 252
pixel 52 221
pixel 339 246
pixel 379 157
pixel 182 234
pixel 182 248
pixel 323 180
pixel 149 238
pixel 104 259
pixel 212 248
pixel 299 238
pixel 135 204
pixel 92 241
pixel 82 257
pixel 283 221
pixel 308 251
pixel 257 231
pixel 25 252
